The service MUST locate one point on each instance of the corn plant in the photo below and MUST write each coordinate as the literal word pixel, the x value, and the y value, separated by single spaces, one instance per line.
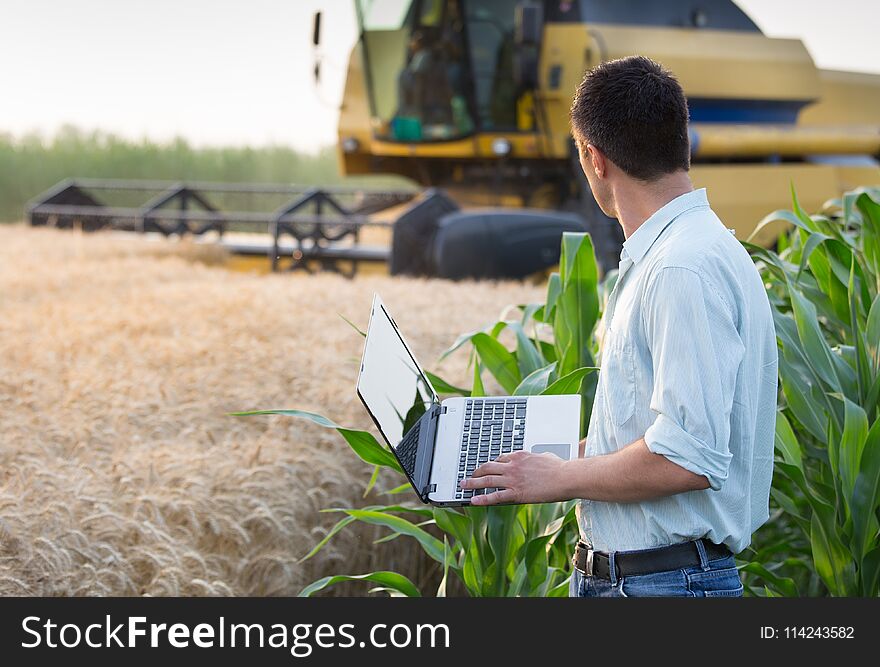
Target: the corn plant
pixel 500 550
pixel 823 284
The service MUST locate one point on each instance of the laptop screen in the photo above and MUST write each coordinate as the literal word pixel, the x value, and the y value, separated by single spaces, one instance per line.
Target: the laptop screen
pixel 391 383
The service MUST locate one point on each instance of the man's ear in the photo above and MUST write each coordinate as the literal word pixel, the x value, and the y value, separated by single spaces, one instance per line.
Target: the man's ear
pixel 597 161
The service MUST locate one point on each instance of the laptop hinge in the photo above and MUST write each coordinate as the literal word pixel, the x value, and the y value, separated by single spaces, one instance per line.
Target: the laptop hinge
pixel 430 437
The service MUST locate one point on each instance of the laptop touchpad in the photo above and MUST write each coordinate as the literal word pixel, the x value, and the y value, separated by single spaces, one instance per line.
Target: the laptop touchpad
pixel 562 451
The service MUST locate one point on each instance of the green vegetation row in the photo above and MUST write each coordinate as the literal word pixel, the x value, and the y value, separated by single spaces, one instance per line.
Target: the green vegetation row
pixel 823 536
pixel 31 164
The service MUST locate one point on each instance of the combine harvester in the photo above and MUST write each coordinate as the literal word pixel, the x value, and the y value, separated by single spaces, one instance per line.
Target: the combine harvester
pixel 469 99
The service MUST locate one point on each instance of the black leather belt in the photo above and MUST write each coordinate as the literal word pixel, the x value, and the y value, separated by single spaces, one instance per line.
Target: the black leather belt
pixel 674 557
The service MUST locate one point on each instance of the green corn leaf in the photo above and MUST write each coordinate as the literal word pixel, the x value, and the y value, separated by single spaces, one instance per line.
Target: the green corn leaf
pixel 852 443
pixel 813 242
pixel 798 395
pixel 502 538
pixel 497 328
pixel 390 591
pixel 419 510
pixel 833 561
pixel 528 312
pixel 772 262
pixel 554 287
pixel 353 325
pixel 872 400
pixel 571 383
pixel 517 586
pixel 528 357
pixel 866 494
pixel 453 523
pixel 398 489
pixel 536 382
pixel 786 442
pixel 872 334
pixel 441 386
pixel 577 306
pixel 861 361
pixel 461 340
pixel 782 243
pixel 430 544
pixel 536 561
pixel 345 521
pixel 775 218
pixel 389 580
pixel 441 589
pixel 807 221
pixel 548 351
pixel 811 494
pixel 333 531
pixel 869 570
pixel 363 443
pixel 498 361
pixel 472 572
pixel 477 390
pixel 870 237
pixel 560 590
pixel 787 504
pixel 784 585
pixel 372 481
pixel 816 350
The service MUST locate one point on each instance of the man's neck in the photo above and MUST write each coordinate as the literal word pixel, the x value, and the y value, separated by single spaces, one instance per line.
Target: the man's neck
pixel 636 202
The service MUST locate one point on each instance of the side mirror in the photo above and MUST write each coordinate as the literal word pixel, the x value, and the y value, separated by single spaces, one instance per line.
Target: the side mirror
pixel 316 30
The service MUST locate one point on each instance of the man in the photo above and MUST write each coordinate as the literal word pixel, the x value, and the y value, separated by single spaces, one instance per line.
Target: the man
pixel 675 470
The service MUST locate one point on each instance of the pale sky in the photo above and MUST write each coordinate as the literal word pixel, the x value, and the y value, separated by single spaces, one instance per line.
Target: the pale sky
pixel 237 72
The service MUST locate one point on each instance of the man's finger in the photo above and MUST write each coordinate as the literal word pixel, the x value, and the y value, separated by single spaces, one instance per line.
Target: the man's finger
pixel 484 482
pixel 490 468
pixel 495 498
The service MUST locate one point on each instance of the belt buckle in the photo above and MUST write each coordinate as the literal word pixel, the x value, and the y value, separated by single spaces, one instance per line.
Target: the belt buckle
pixel 588 566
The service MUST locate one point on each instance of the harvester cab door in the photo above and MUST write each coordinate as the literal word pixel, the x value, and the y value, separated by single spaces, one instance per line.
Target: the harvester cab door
pixel 417 69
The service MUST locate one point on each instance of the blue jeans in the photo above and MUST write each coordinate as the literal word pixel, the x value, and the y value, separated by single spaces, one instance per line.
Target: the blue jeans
pixel 713 578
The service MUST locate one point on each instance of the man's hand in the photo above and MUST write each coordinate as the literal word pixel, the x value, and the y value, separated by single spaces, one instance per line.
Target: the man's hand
pixel 630 475
pixel 520 477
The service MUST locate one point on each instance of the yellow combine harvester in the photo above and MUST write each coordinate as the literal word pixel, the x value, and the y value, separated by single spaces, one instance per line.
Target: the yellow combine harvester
pixel 470 99
pixel 472 96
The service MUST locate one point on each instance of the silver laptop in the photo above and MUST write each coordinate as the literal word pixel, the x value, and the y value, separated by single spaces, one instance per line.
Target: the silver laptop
pixel 440 443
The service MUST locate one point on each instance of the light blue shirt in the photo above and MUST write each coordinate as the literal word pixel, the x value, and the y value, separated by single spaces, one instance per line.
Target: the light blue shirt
pixel 688 359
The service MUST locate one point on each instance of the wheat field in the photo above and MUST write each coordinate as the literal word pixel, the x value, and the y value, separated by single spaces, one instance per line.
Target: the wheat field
pixel 121 472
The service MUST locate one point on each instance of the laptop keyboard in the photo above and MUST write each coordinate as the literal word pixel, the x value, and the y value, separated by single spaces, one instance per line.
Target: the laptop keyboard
pixel 492 427
pixel 407 448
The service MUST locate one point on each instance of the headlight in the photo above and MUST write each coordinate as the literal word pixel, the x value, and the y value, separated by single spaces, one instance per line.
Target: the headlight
pixel 501 147
pixel 350 145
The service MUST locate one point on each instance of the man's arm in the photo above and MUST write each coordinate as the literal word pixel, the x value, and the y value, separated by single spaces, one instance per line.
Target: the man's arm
pixel 631 474
pixel 696 353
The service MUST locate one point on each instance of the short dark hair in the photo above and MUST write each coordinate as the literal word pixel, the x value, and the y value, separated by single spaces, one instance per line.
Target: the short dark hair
pixel 635 112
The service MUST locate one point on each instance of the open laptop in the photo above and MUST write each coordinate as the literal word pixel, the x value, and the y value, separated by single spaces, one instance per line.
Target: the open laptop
pixel 439 443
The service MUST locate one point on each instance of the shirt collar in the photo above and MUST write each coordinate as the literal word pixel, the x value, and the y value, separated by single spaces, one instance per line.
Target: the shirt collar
pixel 637 245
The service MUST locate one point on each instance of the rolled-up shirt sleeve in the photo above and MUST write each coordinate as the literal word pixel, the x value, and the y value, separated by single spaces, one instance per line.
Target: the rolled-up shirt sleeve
pixel 696 353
